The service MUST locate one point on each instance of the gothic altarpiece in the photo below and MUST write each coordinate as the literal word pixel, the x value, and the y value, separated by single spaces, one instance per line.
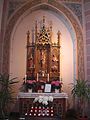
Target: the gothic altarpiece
pixel 43 68
pixel 43 56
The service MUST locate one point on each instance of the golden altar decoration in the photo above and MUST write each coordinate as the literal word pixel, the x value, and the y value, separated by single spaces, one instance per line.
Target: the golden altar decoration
pixel 43 56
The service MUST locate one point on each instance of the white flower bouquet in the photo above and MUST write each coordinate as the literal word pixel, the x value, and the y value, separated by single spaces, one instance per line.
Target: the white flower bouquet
pixel 44 100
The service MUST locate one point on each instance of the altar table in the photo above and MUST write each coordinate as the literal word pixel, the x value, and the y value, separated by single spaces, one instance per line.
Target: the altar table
pixel 59 104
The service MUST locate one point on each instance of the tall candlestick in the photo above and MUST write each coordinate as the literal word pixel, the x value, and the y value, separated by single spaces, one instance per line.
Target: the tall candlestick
pixel 59 77
pixel 48 78
pixel 37 76
pixel 25 78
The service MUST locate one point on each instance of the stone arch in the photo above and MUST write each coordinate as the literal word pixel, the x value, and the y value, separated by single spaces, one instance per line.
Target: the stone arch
pixel 57 7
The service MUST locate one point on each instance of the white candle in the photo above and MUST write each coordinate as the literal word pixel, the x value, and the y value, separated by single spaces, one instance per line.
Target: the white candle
pixel 25 78
pixel 43 73
pixel 48 78
pixel 37 76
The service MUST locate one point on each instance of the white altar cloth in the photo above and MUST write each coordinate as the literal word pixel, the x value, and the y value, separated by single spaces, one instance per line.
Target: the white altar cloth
pixel 33 95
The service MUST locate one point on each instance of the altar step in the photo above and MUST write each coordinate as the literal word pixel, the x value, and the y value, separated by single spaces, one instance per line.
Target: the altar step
pixel 34 118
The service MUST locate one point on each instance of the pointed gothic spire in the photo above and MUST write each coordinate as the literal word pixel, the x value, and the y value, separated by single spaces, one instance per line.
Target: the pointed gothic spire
pixel 36 31
pixel 28 37
pixel 59 33
pixel 43 20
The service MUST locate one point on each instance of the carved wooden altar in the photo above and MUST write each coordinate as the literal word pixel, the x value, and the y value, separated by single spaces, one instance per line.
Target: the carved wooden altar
pixel 43 56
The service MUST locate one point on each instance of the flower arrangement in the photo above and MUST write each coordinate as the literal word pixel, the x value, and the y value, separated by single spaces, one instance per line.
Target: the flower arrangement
pixel 43 100
pixel 30 84
pixel 56 84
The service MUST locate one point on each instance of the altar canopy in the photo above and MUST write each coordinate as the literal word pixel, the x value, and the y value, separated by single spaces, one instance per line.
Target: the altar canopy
pixel 43 56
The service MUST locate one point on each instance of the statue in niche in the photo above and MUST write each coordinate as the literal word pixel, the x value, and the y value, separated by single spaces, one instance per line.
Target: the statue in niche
pixel 54 58
pixel 54 63
pixel 42 59
pixel 30 61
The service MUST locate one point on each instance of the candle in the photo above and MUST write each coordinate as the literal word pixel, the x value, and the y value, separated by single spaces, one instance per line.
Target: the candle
pixel 25 78
pixel 37 76
pixel 48 78
pixel 43 73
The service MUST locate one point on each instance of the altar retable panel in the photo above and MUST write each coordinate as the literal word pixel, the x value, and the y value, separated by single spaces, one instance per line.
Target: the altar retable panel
pixel 43 55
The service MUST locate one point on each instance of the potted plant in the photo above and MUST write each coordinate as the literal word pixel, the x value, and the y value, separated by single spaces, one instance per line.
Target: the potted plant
pixel 81 92
pixel 30 85
pixel 5 93
pixel 56 85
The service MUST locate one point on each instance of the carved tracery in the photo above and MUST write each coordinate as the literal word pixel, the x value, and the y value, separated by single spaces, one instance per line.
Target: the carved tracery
pixel 43 56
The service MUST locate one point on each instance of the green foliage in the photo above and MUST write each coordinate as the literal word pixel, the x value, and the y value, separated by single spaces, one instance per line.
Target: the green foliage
pixel 81 89
pixel 81 92
pixel 6 92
